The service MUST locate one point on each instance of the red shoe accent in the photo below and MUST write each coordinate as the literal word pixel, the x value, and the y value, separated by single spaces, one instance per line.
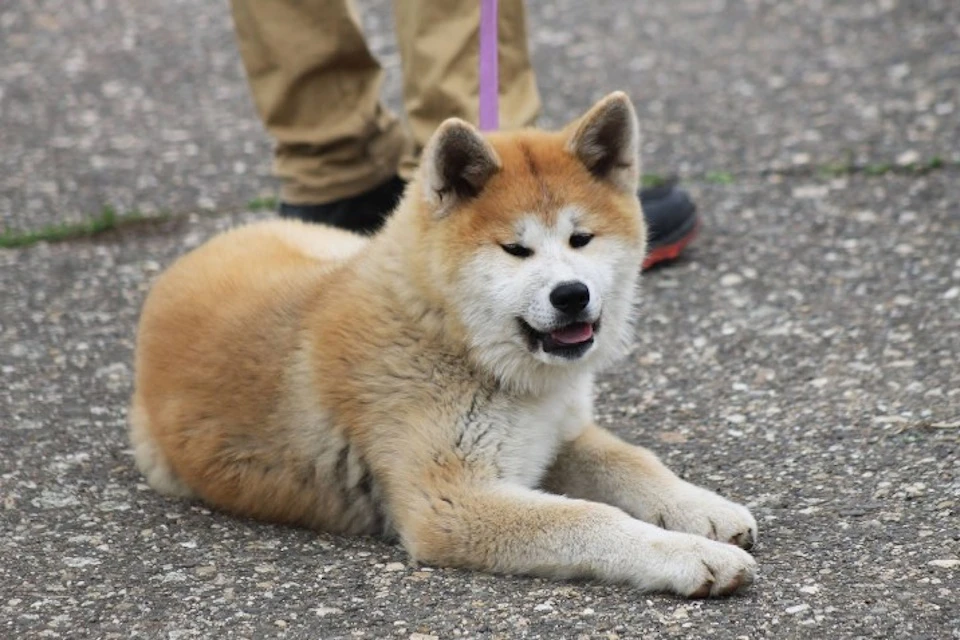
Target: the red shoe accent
pixel 670 251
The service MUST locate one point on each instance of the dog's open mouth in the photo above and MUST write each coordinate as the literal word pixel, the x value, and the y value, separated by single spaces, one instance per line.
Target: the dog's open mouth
pixel 569 341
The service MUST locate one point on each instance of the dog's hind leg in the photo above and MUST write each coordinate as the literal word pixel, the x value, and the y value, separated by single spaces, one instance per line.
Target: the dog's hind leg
pixel 150 460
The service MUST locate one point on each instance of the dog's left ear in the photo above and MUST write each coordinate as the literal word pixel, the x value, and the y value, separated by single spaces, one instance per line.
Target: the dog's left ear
pixel 607 140
pixel 457 163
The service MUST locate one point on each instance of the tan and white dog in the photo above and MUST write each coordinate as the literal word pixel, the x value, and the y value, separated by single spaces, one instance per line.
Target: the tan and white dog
pixel 434 382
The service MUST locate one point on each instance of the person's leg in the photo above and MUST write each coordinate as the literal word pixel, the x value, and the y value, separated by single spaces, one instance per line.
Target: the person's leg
pixel 338 148
pixel 439 52
pixel 316 87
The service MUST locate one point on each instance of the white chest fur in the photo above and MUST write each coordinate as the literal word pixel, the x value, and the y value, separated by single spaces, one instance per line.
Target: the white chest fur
pixel 519 437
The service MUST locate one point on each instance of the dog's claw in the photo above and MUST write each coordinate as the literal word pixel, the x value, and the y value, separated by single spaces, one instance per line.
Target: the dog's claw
pixel 704 590
pixel 742 579
pixel 745 540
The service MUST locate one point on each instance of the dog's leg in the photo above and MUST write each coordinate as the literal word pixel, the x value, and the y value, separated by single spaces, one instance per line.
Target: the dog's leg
pixel 599 466
pixel 515 530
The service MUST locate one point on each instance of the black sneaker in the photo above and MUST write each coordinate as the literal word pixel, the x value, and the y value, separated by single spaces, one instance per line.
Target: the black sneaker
pixel 363 213
pixel 672 222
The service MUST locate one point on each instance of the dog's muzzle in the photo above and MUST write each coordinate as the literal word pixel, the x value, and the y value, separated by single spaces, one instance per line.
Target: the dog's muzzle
pixel 570 340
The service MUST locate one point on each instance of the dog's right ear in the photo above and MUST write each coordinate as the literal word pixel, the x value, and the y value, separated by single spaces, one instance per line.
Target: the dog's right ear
pixel 457 163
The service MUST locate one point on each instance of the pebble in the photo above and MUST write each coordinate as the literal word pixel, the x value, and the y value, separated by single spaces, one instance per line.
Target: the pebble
pixel 799 608
pixel 915 490
pixel 810 191
pixel 908 158
pixel 731 279
pixel 947 563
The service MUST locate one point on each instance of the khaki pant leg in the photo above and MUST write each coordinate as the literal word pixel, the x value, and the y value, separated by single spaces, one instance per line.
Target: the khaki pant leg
pixel 439 51
pixel 316 87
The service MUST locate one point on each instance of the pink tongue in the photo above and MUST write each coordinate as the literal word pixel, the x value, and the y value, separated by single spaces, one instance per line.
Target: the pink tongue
pixel 574 334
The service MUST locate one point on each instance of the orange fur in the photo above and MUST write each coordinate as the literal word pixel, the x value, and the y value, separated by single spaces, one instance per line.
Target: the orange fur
pixel 300 374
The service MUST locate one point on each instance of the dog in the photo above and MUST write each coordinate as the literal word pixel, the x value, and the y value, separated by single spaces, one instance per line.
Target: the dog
pixel 434 382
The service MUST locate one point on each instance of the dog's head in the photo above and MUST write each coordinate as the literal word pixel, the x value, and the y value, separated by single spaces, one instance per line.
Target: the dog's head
pixel 535 238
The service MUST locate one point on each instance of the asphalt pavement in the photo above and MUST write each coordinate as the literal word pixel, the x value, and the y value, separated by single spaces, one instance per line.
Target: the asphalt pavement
pixel 801 358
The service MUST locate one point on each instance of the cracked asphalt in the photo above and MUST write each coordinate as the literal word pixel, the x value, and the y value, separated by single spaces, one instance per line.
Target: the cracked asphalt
pixel 801 358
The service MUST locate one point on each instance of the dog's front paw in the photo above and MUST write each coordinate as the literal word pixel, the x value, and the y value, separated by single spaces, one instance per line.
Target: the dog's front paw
pixel 695 567
pixel 691 509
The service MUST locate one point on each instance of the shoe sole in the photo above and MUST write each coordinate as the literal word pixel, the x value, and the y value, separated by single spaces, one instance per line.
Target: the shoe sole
pixel 672 247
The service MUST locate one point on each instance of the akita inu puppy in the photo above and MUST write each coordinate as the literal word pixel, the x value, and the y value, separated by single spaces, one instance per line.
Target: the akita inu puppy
pixel 434 382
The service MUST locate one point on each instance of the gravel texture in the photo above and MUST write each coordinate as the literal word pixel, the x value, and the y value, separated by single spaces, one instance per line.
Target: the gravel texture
pixel 143 105
pixel 801 358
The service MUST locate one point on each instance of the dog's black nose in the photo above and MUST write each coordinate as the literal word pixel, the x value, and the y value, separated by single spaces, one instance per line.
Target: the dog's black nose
pixel 570 297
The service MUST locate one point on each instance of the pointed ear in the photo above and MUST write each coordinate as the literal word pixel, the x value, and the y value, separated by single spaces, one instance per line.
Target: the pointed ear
pixel 456 165
pixel 607 140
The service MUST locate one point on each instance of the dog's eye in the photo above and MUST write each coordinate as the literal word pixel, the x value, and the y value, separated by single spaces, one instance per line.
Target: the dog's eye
pixel 517 250
pixel 578 240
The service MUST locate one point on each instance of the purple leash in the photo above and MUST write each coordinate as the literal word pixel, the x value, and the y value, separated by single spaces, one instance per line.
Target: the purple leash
pixel 489 75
